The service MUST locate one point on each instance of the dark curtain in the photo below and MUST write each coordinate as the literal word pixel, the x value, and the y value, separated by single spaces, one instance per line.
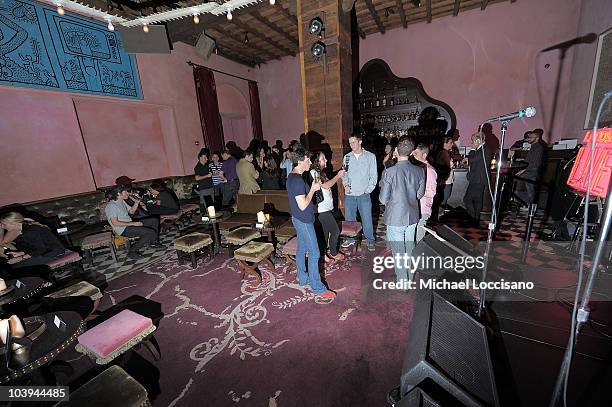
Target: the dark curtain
pixel 210 119
pixel 255 111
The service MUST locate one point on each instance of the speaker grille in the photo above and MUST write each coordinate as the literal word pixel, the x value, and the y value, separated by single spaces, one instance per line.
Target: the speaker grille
pixel 458 345
pixel 417 398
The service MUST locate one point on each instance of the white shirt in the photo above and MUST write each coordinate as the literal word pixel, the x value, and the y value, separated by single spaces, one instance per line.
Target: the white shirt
pixel 328 201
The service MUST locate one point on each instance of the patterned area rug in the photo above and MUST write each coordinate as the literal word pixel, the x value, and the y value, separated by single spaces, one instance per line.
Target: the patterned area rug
pixel 227 342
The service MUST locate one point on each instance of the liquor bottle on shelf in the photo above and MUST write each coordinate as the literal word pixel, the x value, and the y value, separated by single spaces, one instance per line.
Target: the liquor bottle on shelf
pixel 377 101
pixel 391 102
pixel 384 101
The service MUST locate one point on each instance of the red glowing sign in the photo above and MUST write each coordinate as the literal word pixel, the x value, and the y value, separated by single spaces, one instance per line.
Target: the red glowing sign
pixel 602 164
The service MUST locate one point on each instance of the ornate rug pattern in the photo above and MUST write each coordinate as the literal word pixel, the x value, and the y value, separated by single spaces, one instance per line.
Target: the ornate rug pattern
pixel 225 342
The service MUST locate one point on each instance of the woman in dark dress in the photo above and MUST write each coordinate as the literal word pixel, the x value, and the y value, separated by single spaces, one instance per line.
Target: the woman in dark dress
pixel 36 244
pixel 270 177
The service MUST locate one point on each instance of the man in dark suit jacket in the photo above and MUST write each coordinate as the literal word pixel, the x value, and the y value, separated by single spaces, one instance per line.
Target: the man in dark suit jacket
pixel 479 161
pixel 535 161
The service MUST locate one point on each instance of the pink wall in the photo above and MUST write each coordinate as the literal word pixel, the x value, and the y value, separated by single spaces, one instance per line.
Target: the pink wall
pixel 42 151
pixel 280 97
pixel 595 16
pixel 40 128
pixel 487 63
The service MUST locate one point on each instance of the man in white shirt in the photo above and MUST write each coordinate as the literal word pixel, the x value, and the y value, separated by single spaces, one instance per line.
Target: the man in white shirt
pixel 118 215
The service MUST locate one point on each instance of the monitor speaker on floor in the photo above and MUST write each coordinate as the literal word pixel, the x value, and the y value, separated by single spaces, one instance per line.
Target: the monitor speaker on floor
pixel 434 247
pixel 456 239
pixel 417 398
pixel 449 347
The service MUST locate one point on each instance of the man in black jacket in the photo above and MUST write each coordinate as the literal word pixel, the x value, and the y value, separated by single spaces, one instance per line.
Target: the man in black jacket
pixel 479 161
pixel 535 161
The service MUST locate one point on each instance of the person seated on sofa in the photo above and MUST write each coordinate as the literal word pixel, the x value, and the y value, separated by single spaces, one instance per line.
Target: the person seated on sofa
pixel 35 244
pixel 164 200
pixel 118 215
pixel 247 174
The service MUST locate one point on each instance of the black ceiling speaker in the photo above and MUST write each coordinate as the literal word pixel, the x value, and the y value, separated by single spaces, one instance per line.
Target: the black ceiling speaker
pixel 316 26
pixel 318 49
pixel 450 348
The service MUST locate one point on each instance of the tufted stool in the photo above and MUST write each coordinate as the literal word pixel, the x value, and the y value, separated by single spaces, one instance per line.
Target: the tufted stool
pixel 240 236
pixel 112 387
pixel 82 288
pixel 192 245
pixel 351 230
pixel 115 336
pixel 98 241
pixel 171 220
pixel 255 253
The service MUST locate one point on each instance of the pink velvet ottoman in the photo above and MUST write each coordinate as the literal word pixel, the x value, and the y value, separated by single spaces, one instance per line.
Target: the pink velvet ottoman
pixel 114 336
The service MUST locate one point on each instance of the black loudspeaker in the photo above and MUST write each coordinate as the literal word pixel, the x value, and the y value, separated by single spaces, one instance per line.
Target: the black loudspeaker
pixel 601 82
pixel 205 46
pixel 430 247
pixel 417 398
pixel 449 347
pixel 456 240
pixel 136 41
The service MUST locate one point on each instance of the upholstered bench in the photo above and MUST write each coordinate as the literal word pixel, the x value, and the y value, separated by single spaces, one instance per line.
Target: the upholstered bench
pixel 98 241
pixel 254 253
pixel 191 247
pixel 115 336
pixel 64 267
pixel 240 236
pixel 351 230
pixel 113 387
pixel 80 289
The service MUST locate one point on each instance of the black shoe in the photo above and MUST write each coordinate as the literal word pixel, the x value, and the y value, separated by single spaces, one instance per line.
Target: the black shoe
pixel 135 255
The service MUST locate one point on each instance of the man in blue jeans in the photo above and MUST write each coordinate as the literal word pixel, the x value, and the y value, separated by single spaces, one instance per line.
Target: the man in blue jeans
pixel 302 216
pixel 359 182
pixel 401 188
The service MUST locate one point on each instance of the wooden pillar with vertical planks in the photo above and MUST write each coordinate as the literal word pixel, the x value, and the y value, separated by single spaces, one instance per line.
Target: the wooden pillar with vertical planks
pixel 327 80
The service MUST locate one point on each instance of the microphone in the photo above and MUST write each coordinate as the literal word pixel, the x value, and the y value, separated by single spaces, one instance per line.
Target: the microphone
pixel 527 112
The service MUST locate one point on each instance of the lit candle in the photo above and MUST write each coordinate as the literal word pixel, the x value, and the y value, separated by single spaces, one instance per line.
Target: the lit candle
pixel 267 217
pixel 211 211
pixel 261 218
pixel 16 327
pixel 2 285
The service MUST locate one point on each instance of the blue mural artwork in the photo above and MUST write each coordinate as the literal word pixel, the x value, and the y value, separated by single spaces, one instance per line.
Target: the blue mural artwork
pixel 42 49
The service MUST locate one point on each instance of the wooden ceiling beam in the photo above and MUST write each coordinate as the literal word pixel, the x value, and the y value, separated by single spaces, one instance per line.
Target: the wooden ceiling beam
pixel 429 11
pixel 456 9
pixel 287 14
pixel 402 13
pixel 256 33
pixel 484 4
pixel 241 43
pixel 375 17
pixel 257 16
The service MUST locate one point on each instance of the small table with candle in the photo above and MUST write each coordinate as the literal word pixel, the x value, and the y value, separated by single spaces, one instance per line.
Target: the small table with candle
pixel 213 219
pixel 268 227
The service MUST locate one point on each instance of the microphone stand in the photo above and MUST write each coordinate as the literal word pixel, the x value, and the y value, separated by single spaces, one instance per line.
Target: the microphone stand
pixel 493 223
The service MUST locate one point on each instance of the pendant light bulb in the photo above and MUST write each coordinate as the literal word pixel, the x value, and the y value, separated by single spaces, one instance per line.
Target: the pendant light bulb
pixel 196 19
pixel 272 2
pixel 145 28
pixel 229 15
pixel 60 10
pixel 110 26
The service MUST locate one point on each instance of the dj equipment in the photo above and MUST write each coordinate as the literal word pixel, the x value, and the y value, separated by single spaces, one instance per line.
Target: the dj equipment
pixel 450 347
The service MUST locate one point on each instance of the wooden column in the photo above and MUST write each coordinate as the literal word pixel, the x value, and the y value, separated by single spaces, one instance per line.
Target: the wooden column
pixel 327 81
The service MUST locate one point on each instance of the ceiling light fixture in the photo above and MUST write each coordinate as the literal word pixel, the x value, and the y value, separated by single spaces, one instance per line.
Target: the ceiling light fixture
pixel 229 15
pixel 145 27
pixel 318 49
pixel 110 25
pixel 196 19
pixel 60 9
pixel 272 2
